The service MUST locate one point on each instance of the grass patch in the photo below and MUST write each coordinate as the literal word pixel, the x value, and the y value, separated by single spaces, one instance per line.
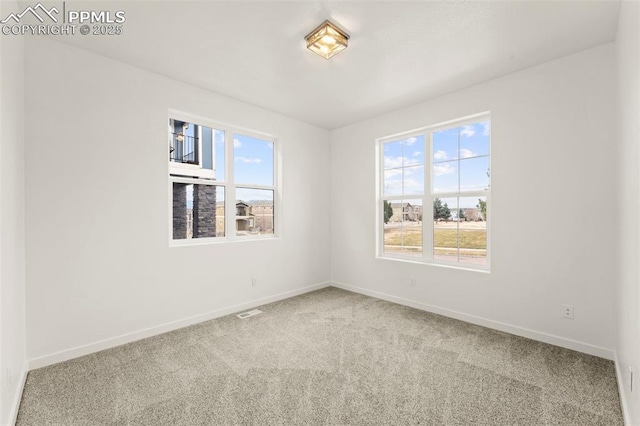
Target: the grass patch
pixel 412 236
pixel 445 238
pixel 469 238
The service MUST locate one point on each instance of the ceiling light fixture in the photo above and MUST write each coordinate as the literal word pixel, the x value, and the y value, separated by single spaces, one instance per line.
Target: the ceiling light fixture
pixel 327 40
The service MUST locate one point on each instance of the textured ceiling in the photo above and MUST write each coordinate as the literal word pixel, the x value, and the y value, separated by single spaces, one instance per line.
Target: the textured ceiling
pixel 400 53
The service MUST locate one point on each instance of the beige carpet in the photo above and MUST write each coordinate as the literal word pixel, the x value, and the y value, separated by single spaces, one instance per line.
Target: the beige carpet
pixel 329 357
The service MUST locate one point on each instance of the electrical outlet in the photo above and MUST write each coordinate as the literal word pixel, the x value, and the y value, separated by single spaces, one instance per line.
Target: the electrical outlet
pixel 254 281
pixel 412 282
pixel 630 379
pixel 567 311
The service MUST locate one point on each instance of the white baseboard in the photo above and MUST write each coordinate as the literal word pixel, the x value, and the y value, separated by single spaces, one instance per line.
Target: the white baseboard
pixel 15 404
pixel 112 342
pixel 496 325
pixel 622 392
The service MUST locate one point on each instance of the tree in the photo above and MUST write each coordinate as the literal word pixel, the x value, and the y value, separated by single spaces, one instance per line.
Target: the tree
pixel 440 211
pixel 388 211
pixel 446 212
pixel 482 205
pixel 437 209
pixel 461 215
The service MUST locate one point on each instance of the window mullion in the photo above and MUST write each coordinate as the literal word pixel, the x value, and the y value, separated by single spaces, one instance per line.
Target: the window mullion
pixel 248 186
pixel 230 192
pixel 461 194
pixel 458 204
pixel 427 209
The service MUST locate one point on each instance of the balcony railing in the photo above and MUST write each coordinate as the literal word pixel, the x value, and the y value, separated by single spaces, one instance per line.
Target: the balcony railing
pixel 184 149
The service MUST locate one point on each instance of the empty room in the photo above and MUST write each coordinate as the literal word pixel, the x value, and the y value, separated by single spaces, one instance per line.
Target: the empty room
pixel 319 212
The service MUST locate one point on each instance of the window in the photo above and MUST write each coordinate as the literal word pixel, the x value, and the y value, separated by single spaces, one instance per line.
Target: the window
pixel 434 194
pixel 253 174
pixel 210 164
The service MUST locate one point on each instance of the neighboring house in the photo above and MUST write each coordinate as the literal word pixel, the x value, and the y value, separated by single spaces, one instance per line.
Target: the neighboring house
pixel 262 212
pixel 407 212
pixel 244 218
pixel 220 217
pixel 403 212
pixel 251 217
pixel 470 214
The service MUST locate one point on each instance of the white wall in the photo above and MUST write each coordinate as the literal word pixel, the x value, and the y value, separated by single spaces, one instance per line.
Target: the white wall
pixel 98 261
pixel 553 213
pixel 12 274
pixel 628 319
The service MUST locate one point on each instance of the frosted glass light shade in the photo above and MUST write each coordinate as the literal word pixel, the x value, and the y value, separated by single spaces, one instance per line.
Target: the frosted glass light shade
pixel 327 40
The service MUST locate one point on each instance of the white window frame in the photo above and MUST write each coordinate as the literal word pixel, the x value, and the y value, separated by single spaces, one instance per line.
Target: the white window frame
pixel 225 181
pixel 428 196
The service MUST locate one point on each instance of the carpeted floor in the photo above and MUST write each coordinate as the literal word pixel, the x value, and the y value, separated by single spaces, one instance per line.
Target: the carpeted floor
pixel 329 357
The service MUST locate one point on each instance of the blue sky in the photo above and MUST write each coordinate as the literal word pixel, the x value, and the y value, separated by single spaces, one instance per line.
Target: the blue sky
pixel 253 161
pixel 460 151
pixel 404 166
pixel 253 165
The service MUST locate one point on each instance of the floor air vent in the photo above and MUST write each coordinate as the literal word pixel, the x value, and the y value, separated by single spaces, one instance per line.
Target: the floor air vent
pixel 249 313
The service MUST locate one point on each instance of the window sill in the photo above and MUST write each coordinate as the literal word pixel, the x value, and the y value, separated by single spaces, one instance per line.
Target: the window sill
pixel 482 269
pixel 221 240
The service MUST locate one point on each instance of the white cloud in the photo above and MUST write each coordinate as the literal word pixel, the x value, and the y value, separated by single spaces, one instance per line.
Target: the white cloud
pixel 237 143
pixel 393 187
pixel 468 131
pixel 440 155
pixel 466 153
pixel 394 162
pixel 248 160
pixel 414 169
pixel 417 153
pixel 486 129
pixel 388 174
pixel 412 183
pixel 443 169
pixel 411 141
pixel 474 187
